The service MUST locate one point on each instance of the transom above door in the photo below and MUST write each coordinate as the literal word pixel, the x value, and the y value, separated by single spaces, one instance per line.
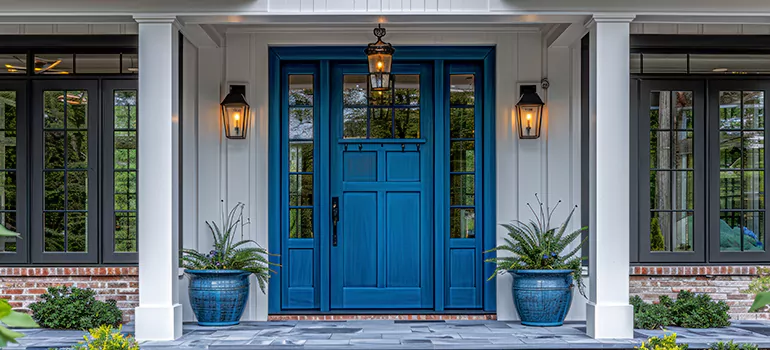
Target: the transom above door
pixel 382 198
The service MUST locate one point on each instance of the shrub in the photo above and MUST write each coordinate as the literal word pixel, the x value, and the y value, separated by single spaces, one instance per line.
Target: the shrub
pixel 668 342
pixel 760 286
pixel 688 310
pixel 74 308
pixel 732 346
pixel 107 337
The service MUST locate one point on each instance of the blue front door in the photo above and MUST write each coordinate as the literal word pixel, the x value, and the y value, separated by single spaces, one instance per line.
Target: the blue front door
pixel 381 189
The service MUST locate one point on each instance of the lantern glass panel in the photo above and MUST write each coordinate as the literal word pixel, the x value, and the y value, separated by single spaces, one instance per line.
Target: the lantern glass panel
pixel 235 120
pixel 380 63
pixel 529 121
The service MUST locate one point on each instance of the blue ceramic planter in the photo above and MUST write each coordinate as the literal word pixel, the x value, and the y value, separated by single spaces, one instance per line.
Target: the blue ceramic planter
pixel 542 297
pixel 218 297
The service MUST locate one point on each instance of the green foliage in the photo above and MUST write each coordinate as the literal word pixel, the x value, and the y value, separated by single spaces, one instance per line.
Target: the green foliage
pixel 689 310
pixel 537 246
pixel 229 254
pixel 761 287
pixel 74 308
pixel 668 342
pixel 12 318
pixel 657 241
pixel 733 346
pixel 107 338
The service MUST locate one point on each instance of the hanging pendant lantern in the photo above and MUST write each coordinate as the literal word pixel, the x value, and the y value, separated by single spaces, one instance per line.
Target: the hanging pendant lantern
pixel 380 56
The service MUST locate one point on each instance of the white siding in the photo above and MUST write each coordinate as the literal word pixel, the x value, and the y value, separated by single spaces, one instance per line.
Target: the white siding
pixel 706 29
pixel 54 29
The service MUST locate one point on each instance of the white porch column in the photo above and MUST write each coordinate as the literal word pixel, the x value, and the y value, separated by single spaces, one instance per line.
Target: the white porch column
pixel 159 315
pixel 608 313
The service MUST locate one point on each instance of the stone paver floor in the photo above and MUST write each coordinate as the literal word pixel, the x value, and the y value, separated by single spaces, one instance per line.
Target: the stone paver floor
pixel 382 334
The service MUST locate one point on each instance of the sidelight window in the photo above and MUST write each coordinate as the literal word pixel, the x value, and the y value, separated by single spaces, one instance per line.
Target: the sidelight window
pixel 301 148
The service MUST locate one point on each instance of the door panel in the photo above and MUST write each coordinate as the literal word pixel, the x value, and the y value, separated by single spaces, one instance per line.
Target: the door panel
pixel 381 174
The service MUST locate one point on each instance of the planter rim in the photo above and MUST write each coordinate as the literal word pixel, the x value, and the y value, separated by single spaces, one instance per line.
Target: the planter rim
pixel 540 272
pixel 216 272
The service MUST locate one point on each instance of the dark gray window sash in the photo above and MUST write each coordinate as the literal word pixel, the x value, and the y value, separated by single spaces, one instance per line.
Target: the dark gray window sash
pixel 22 185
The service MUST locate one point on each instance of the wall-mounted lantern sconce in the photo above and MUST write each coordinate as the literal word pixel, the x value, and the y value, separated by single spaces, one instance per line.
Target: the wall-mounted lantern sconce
pixel 529 110
pixel 380 56
pixel 235 113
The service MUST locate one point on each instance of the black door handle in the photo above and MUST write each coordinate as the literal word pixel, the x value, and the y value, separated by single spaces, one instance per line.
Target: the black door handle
pixel 335 218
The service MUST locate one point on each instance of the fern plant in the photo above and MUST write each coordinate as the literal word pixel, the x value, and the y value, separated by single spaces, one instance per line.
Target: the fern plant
pixel 538 246
pixel 229 254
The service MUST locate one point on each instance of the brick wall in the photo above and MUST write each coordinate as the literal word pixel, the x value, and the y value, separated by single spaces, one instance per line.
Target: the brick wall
pixel 721 282
pixel 22 286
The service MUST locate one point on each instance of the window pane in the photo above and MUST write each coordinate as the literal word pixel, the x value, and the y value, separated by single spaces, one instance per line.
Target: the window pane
pixel 664 63
pixel 660 190
pixel 407 90
pixel 300 190
pixel 8 190
pixel 13 63
pixel 462 223
pixel 683 232
pixel 684 190
pixel 660 110
pixel 77 190
pixel 54 190
pixel 300 90
pixel 407 123
pixel 683 150
pixel 354 90
pixel 125 232
pixel 77 149
pixel 683 110
pixel 660 150
pixel 730 231
pixel 461 89
pixel 730 149
pixel 729 64
pixel 130 63
pixel 754 149
pixel 754 190
pixel 461 123
pixel 381 123
pixel 753 110
pixel 754 231
pixel 354 123
pixel 660 231
pixel 54 64
pixel 462 190
pixel 300 223
pixel 90 64
pixel 636 63
pixel 730 189
pixel 462 156
pixel 77 109
pixel 730 110
pixel 53 225
pixel 301 123
pixel 77 225
pixel 8 244
pixel 54 106
pixel 125 109
pixel 381 98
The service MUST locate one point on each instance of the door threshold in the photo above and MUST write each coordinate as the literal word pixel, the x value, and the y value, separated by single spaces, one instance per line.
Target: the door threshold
pixel 381 316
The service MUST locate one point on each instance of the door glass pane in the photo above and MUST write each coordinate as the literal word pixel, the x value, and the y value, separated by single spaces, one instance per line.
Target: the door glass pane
pixel 65 167
pixel 462 156
pixel 672 175
pixel 125 135
pixel 381 114
pixel 301 135
pixel 8 168
pixel 742 176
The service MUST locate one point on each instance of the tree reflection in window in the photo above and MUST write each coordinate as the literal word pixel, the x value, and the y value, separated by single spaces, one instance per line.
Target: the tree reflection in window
pixel 125 170
pixel 8 168
pixel 381 114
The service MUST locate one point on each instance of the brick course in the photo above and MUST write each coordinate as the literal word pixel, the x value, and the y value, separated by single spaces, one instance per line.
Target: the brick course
pixel 22 286
pixel 721 282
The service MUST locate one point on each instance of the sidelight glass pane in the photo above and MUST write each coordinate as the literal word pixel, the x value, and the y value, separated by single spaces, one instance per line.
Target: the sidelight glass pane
pixel 300 90
pixel 300 223
pixel 125 171
pixel 753 109
pixel 461 89
pixel 407 90
pixel 354 90
pixel 683 231
pixel 300 190
pixel 660 110
pixel 729 110
pixel 461 123
pixel 301 156
pixel 683 109
pixel 354 123
pixel 407 123
pixel 462 223
pixel 301 123
pixel 462 156
pixel 462 190
pixel 730 149
pixel 660 190
pixel 684 190
pixel 125 232
pixel 660 231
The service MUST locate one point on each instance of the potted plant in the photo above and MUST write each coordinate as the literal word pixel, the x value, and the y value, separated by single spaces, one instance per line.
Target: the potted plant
pixel 543 274
pixel 219 280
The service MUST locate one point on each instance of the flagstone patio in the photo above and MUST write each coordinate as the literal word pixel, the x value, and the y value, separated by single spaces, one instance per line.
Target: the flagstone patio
pixel 388 334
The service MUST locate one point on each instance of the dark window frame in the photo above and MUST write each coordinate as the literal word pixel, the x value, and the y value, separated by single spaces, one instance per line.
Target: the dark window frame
pixel 21 255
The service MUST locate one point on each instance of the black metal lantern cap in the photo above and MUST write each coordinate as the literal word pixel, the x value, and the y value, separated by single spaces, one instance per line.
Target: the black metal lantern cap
pixel 529 96
pixel 235 113
pixel 380 57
